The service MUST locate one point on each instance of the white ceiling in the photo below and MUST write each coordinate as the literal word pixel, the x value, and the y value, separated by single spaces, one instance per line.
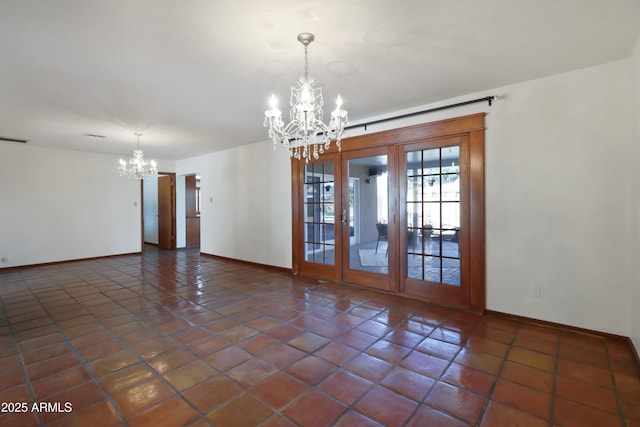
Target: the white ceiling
pixel 195 75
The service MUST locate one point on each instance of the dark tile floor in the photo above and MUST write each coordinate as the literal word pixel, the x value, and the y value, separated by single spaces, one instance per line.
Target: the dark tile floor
pixel 171 339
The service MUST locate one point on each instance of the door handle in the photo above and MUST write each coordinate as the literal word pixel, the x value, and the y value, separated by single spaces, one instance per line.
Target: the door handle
pixel 344 216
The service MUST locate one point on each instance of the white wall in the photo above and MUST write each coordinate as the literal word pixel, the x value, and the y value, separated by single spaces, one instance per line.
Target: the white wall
pixel 60 205
pixel 635 205
pixel 246 203
pixel 557 185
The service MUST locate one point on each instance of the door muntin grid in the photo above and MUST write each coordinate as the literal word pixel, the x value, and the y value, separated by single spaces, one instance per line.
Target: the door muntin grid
pixel 319 213
pixel 433 215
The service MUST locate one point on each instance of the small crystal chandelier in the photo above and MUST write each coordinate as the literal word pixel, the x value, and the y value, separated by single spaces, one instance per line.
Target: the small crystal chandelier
pixel 137 167
pixel 306 135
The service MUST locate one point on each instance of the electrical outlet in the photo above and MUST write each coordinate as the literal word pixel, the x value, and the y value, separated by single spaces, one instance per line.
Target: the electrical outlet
pixel 536 292
pixel 5 258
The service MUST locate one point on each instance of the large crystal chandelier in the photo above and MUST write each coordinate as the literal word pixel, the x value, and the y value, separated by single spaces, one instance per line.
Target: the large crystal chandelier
pixel 137 167
pixel 306 135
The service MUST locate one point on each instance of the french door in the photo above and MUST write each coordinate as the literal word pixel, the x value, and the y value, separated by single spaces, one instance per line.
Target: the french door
pixel 434 192
pixel 401 212
pixel 368 202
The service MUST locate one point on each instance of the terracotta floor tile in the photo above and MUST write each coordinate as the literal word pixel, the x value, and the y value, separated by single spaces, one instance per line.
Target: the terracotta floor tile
pixel 284 332
pixel 310 369
pixel 369 367
pixel 427 416
pixel 170 413
pixel 524 398
pixel 536 343
pixel 314 409
pixel 190 374
pixel 44 353
pixel 388 351
pixel 438 348
pixel 252 372
pixel 531 358
pixel 59 381
pixel 628 384
pixel 338 354
pixel 578 353
pixel 356 339
pixel 282 355
pixel 308 342
pixel 21 419
pixel 425 364
pixel 172 360
pixel 345 386
pixel 113 362
pixel 501 415
pixel 99 414
pixel 154 347
pixel 206 346
pixel 496 334
pixel 485 345
pixel 19 393
pixel 92 339
pixel 126 377
pixel 581 372
pixel 243 411
pixel 356 419
pixel 408 383
pixel 12 378
pixel 101 350
pixel 279 390
pixel 330 330
pixel 453 336
pixel 404 338
pixel 52 365
pixel 528 376
pixel 278 420
pixel 469 379
pixel 227 358
pixel 142 396
pixel 258 343
pixel 587 394
pixel 79 397
pixel 211 393
pixel 456 402
pixel 386 407
pixel 237 333
pixel 571 414
pixel 631 407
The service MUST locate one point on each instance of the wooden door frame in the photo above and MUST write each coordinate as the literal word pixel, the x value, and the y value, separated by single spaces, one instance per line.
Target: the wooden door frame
pixel 473 127
pixel 378 281
pixel 173 210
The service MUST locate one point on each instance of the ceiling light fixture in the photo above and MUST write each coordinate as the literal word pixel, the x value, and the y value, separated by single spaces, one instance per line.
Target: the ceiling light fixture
pixel 137 167
pixel 306 135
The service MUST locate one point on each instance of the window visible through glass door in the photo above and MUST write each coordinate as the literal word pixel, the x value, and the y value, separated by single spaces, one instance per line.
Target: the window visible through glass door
pixel 319 213
pixel 433 215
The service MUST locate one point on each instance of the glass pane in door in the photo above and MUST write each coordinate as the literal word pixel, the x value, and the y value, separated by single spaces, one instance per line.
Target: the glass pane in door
pixel 368 214
pixel 319 213
pixel 433 215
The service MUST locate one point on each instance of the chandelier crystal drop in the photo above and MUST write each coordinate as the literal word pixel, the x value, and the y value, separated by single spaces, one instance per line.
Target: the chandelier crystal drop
pixel 137 167
pixel 306 135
